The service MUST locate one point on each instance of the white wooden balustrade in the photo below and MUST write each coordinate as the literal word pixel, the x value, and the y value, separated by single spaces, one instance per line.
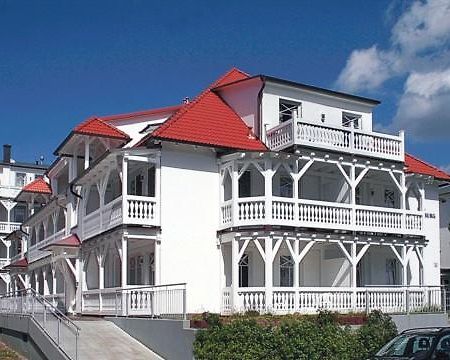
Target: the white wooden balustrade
pixel 341 299
pixel 7 227
pixel 133 210
pixel 336 138
pixel 319 214
pixel 34 253
pixel 167 301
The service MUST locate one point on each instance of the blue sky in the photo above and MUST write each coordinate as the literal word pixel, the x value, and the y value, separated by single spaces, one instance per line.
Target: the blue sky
pixel 62 61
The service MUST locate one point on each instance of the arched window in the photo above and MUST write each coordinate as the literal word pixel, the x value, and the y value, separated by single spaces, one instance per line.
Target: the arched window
pixel 227 186
pixel 282 183
pixel 60 221
pixel 93 200
pixel 114 187
pixel 41 234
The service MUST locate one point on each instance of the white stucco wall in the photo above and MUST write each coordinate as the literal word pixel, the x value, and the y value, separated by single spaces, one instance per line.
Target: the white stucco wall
pixel 431 226
pixel 444 220
pixel 189 221
pixel 313 106
pixel 243 98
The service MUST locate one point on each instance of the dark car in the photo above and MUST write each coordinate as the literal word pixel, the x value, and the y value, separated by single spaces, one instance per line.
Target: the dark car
pixel 418 344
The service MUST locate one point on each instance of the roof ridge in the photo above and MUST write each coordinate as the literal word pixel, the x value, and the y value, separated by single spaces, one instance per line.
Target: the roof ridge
pixel 428 164
pixel 91 119
pixel 139 113
pixel 176 116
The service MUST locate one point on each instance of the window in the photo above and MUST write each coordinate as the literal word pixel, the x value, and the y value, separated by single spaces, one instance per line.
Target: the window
pixel 285 186
pixel 389 198
pixel 19 214
pixel 289 110
pixel 391 272
pixel 21 179
pixel 286 271
pixel 351 120
pixel 245 184
pixel 243 271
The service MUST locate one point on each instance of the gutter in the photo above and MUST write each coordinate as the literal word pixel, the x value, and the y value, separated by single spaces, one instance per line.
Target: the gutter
pixel 259 104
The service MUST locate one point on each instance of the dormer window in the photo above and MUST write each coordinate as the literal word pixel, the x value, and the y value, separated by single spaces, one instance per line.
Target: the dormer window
pixel 351 120
pixel 289 110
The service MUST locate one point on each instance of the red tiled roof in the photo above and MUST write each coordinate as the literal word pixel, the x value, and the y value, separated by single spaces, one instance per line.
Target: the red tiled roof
pixel 97 127
pixel 69 241
pixel 22 263
pixel 38 186
pixel 149 112
pixel 208 120
pixel 417 166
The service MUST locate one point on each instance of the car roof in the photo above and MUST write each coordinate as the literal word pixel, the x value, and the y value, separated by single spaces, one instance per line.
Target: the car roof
pixel 427 330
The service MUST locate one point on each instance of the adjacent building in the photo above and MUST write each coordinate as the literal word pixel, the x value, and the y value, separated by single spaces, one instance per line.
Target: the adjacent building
pixel 14 176
pixel 260 194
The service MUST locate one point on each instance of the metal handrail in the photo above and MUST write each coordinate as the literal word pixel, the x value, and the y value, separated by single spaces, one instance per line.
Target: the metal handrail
pixel 70 325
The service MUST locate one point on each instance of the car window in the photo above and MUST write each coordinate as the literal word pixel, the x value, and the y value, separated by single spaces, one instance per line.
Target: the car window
pixel 442 348
pixel 407 345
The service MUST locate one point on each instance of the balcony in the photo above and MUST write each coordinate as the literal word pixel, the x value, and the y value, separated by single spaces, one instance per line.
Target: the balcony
pixel 128 210
pixel 7 227
pixel 257 211
pixel 338 139
pixel 35 254
pixel 308 300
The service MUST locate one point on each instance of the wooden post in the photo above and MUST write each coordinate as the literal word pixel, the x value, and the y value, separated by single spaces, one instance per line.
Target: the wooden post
pixel 234 274
pixel 268 272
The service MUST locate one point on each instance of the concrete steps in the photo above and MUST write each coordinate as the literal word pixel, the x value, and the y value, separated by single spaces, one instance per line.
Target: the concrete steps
pixel 101 339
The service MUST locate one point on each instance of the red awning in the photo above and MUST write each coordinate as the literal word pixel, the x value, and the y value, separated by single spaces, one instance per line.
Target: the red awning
pixel 71 241
pixel 19 264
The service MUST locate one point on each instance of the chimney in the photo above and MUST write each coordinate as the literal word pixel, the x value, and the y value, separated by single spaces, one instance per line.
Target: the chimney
pixel 6 153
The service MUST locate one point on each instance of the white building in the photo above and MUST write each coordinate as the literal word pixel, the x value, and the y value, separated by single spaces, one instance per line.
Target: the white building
pixel 14 176
pixel 260 194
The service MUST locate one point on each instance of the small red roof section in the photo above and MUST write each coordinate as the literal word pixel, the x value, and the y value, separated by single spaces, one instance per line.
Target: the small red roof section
pixel 19 264
pixel 150 112
pixel 208 120
pixel 38 186
pixel 97 127
pixel 71 241
pixel 417 166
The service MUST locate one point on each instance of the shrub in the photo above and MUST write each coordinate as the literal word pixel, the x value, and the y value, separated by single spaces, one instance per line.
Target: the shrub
pixel 377 331
pixel 293 337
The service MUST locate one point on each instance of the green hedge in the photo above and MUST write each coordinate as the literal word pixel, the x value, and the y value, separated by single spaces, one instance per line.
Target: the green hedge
pixel 309 338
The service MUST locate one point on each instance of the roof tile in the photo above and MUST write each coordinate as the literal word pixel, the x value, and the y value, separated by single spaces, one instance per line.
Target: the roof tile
pixel 97 127
pixel 417 166
pixel 208 120
pixel 38 186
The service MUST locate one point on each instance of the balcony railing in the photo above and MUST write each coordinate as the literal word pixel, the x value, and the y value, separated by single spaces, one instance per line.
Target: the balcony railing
pixel 35 254
pixel 339 139
pixel 168 301
pixel 133 210
pixel 7 227
pixel 341 299
pixel 319 214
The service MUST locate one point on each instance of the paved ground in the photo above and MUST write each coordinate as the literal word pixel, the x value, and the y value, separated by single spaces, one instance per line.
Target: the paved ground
pixel 102 340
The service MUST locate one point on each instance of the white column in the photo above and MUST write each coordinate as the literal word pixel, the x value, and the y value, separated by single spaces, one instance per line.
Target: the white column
pixel 235 193
pixel 158 187
pixel 44 277
pixel 268 272
pixel 124 265
pixel 353 264
pixel 404 267
pixel 268 174
pixel 235 274
pixel 54 284
pixel 86 153
pixel 124 188
pixel 157 261
pixel 296 273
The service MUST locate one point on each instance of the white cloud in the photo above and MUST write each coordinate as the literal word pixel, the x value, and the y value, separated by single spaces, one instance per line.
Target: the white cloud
pixel 366 69
pixel 420 50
